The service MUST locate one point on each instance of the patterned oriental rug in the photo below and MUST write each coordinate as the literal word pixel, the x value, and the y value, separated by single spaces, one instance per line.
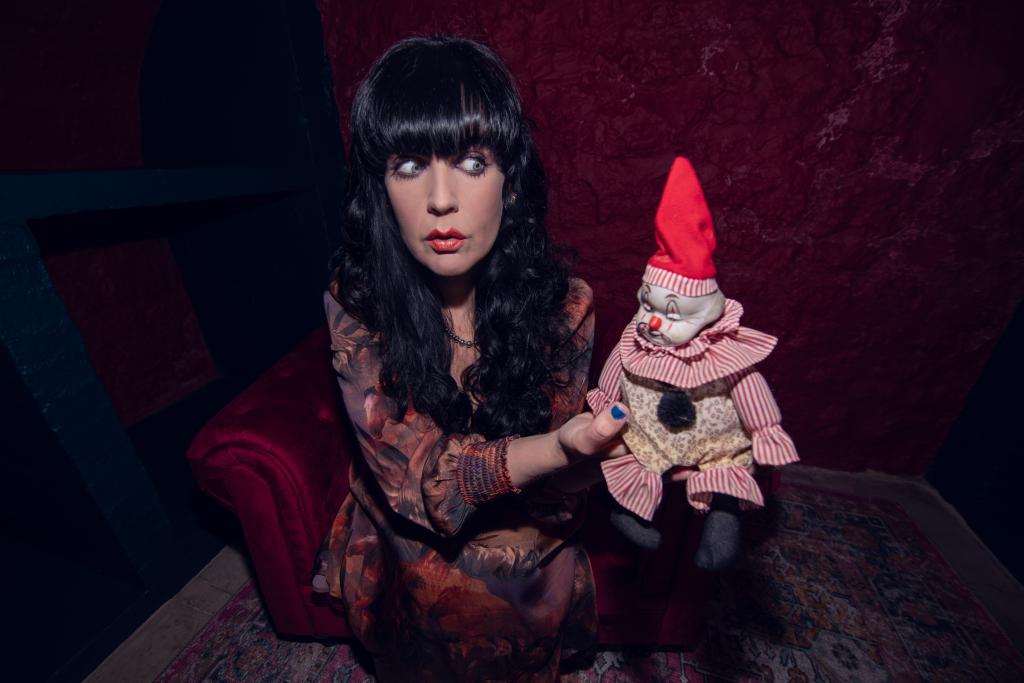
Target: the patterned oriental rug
pixel 832 588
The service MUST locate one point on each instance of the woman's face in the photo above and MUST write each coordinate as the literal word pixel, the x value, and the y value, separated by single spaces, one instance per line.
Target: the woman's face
pixel 448 210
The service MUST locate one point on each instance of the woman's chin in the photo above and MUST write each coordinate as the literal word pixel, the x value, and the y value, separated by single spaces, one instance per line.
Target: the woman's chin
pixel 449 265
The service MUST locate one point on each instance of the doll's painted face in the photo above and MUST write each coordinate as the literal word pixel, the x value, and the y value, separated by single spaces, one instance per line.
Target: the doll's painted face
pixel 448 210
pixel 671 319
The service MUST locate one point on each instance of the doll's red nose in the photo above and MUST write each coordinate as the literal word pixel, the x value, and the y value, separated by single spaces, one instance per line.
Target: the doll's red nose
pixel 655 323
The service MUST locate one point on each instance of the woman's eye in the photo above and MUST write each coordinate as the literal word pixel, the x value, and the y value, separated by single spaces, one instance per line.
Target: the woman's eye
pixel 407 168
pixel 672 312
pixel 473 165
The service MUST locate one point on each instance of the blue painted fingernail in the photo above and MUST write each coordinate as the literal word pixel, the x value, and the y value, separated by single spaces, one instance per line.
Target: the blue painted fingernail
pixel 618 413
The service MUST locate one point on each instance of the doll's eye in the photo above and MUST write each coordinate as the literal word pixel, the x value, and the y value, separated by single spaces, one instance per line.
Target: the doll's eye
pixel 644 302
pixel 672 312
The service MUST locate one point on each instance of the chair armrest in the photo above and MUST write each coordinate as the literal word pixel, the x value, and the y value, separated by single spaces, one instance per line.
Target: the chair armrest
pixel 287 429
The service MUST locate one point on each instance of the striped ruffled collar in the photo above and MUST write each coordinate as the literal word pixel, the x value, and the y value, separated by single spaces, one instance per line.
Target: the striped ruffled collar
pixel 718 351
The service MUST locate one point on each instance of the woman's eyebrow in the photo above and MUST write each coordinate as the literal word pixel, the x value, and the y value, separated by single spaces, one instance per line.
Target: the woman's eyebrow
pixel 670 295
pixel 472 149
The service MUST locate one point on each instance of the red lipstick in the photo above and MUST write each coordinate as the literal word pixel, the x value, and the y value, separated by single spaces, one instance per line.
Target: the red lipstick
pixel 445 242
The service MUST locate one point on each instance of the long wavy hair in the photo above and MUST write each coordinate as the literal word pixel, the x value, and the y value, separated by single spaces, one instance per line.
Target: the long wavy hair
pixel 442 96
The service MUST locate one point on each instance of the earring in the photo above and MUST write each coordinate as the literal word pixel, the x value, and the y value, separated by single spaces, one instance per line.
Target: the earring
pixel 512 199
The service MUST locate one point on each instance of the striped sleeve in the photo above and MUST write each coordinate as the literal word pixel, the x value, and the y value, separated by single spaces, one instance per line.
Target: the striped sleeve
pixel 609 384
pixel 761 418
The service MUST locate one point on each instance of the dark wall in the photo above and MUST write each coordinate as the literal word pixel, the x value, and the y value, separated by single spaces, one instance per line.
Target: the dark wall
pixel 70 83
pixel 981 464
pixel 70 93
pixel 242 83
pixel 181 284
pixel 862 161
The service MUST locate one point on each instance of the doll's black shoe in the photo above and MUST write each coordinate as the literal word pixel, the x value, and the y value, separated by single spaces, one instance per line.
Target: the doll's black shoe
pixel 635 529
pixel 720 542
pixel 319 580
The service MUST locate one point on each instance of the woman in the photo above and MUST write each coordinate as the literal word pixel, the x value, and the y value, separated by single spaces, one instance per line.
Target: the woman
pixel 462 348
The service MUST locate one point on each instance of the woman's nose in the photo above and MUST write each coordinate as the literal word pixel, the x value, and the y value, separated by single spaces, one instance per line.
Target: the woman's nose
pixel 655 323
pixel 441 200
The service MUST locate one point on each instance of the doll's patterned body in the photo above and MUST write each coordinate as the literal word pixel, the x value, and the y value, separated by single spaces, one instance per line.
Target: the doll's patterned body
pixel 738 421
pixel 715 439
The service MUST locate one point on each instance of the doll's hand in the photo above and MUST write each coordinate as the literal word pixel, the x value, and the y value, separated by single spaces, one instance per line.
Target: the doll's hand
pixel 683 473
pixel 594 436
pixel 680 473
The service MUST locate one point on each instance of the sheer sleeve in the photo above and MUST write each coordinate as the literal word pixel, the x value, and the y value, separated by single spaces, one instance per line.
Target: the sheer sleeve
pixel 568 401
pixel 433 480
pixel 543 501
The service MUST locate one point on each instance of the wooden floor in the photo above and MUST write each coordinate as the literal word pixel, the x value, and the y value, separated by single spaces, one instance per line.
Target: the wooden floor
pixel 147 652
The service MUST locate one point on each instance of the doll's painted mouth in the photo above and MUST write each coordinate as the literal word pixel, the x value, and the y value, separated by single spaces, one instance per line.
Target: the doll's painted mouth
pixel 645 331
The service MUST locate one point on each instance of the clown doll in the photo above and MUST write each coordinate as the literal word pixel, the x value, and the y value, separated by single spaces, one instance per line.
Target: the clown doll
pixel 685 368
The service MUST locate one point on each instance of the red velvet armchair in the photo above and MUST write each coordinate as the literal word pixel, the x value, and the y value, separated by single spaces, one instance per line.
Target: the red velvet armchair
pixel 278 455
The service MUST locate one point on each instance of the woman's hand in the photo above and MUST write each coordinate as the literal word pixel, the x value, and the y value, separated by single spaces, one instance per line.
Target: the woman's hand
pixel 594 436
pixel 584 436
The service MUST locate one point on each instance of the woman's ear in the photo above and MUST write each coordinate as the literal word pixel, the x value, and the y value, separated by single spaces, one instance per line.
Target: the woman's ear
pixel 511 190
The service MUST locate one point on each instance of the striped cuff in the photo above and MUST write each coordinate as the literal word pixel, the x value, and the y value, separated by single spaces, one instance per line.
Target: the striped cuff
pixel 482 471
pixel 598 400
pixel 773 446
pixel 733 480
pixel 632 485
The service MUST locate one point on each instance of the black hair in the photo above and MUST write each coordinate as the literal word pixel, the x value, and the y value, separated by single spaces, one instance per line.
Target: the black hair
pixel 441 96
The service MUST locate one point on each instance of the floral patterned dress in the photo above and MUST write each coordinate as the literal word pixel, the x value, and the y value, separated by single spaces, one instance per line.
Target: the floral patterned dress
pixel 436 587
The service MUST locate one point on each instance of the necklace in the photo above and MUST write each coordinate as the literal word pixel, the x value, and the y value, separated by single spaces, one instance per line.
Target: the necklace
pixel 457 339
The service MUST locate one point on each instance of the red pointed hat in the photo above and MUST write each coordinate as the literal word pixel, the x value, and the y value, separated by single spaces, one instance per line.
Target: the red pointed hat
pixel 685 236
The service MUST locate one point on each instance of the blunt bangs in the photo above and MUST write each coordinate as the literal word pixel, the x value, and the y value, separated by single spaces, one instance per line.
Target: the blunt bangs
pixel 435 96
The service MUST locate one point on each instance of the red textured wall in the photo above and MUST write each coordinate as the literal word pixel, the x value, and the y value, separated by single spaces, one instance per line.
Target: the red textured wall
pixel 69 93
pixel 862 162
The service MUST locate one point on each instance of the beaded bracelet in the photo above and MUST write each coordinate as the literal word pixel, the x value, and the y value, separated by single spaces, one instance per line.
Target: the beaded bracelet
pixel 482 472
pixel 506 480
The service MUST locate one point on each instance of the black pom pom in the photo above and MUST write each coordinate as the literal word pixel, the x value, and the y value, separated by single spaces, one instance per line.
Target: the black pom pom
pixel 676 410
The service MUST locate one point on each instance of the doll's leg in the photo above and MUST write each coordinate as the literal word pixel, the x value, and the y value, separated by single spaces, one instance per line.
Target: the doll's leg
pixel 720 541
pixel 637 491
pixel 637 530
pixel 320 567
